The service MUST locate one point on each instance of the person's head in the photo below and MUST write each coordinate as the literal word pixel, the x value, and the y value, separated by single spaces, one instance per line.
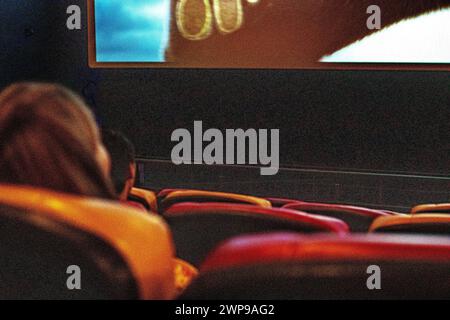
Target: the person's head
pixel 123 164
pixel 49 139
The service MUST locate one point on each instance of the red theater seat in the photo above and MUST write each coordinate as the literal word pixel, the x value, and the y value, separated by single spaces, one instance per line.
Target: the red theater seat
pixel 358 219
pixel 292 266
pixel 281 202
pixel 198 227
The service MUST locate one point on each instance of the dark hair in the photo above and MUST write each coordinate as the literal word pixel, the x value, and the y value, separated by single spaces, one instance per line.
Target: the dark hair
pixel 122 154
pixel 49 139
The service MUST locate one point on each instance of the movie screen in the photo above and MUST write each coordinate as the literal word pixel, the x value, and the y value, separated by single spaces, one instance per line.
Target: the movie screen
pixel 270 33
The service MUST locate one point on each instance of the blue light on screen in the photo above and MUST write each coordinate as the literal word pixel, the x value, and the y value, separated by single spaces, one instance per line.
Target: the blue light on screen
pixel 132 30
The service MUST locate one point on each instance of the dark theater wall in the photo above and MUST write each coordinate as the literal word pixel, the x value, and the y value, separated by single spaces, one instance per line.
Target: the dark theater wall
pixel 371 120
pixel 24 40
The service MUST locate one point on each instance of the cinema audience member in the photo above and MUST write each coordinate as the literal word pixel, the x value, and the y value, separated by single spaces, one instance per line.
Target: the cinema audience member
pixel 49 139
pixel 123 164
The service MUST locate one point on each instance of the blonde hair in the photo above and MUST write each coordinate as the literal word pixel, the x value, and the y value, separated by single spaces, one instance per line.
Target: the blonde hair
pixel 48 138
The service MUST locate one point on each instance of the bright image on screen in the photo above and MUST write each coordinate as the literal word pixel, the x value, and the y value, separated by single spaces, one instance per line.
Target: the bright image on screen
pixel 131 30
pixel 271 33
pixel 423 39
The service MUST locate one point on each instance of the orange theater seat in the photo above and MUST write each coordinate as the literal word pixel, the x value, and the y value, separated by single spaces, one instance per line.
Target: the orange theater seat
pixel 165 192
pixel 185 273
pixel 145 197
pixel 162 194
pixel 431 208
pixel 419 223
pixel 393 213
pixel 210 196
pixel 122 253
pixel 285 266
pixel 358 219
pixel 198 227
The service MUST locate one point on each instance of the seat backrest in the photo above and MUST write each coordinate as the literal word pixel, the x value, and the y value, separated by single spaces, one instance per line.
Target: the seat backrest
pixel 198 227
pixel 210 196
pixel 121 252
pixel 165 192
pixel 37 252
pixel 185 273
pixel 358 219
pixel 438 224
pixel 431 208
pixel 290 266
pixel 145 197
pixel 281 202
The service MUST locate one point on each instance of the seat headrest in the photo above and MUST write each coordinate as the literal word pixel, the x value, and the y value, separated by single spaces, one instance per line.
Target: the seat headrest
pixel 418 223
pixel 431 208
pixel 164 192
pixel 305 206
pixel 358 219
pixel 210 196
pixel 280 202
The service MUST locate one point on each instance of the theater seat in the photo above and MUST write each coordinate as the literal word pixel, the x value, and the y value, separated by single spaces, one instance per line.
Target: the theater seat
pixel 122 253
pixel 420 224
pixel 198 227
pixel 393 213
pixel 185 273
pixel 145 197
pixel 358 219
pixel 210 196
pixel 281 202
pixel 287 266
pixel 165 192
pixel 431 208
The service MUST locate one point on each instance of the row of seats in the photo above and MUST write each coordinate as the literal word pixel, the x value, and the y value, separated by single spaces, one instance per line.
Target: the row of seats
pixel 213 245
pixel 274 248
pixel 358 219
pixel 200 220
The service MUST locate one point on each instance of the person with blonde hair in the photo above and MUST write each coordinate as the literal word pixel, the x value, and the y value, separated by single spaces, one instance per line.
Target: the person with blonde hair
pixel 49 139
